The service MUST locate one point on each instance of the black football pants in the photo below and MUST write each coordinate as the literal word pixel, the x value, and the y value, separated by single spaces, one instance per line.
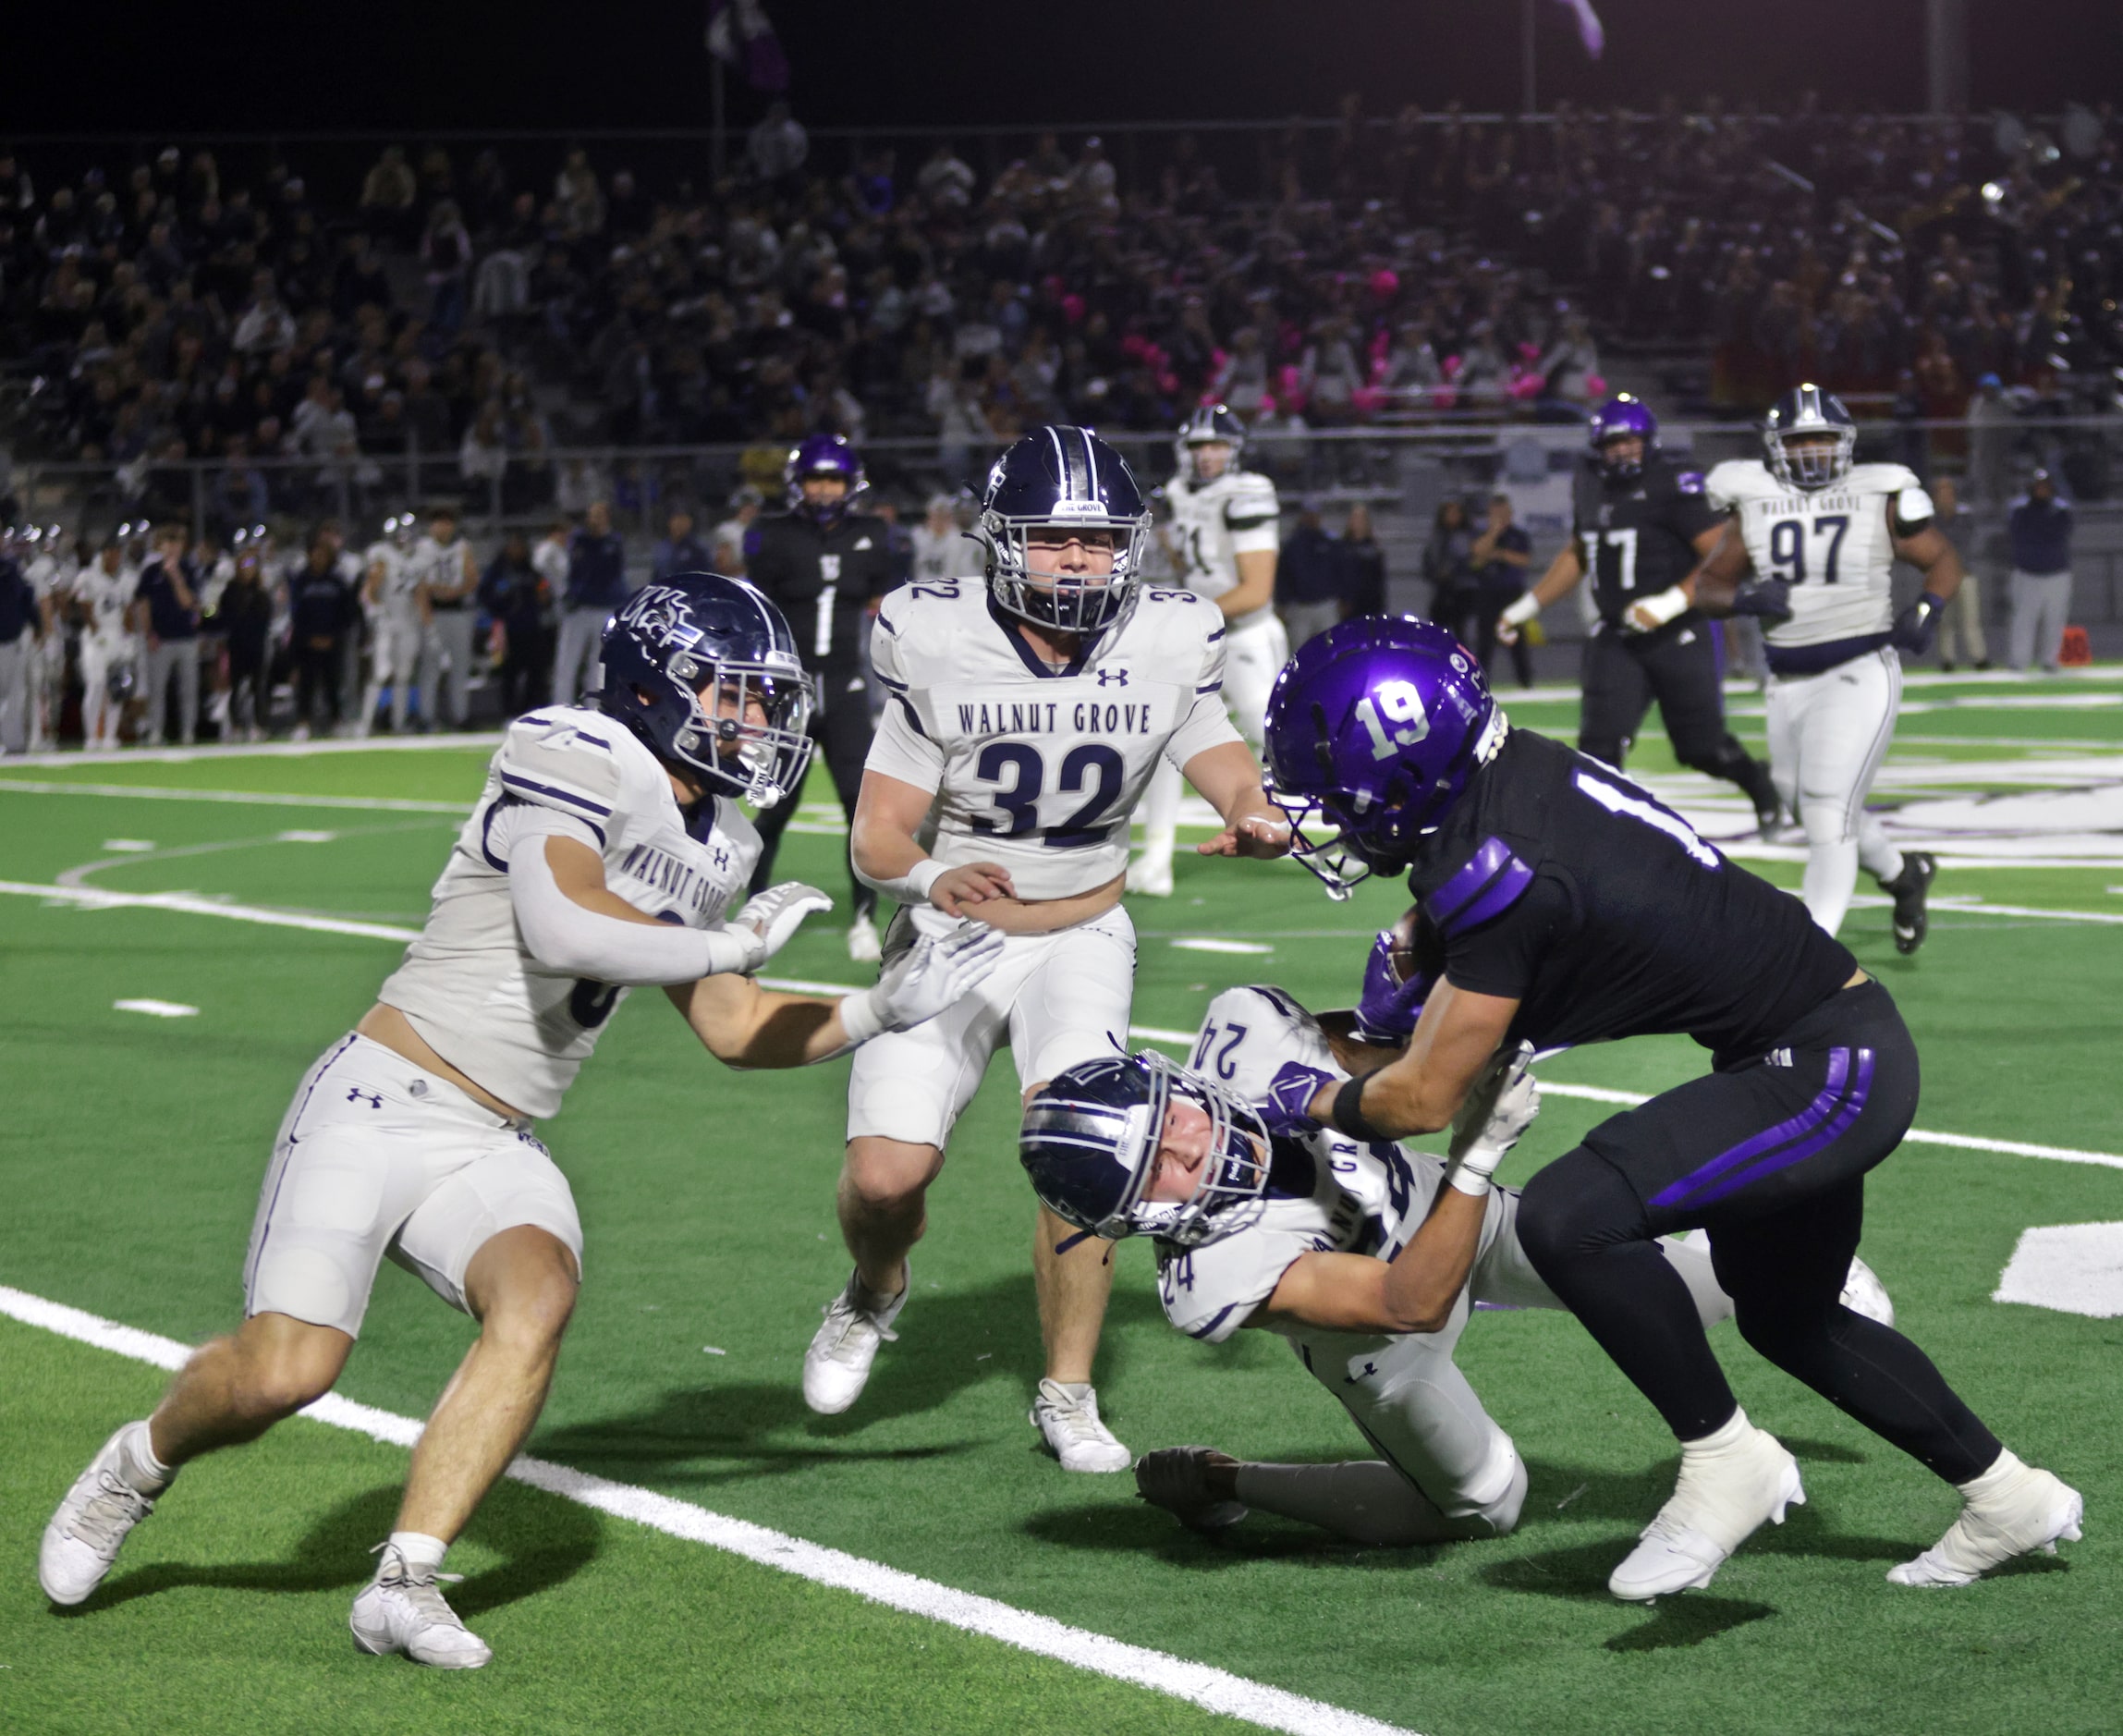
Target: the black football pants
pixel 1678 667
pixel 1769 1153
pixel 841 727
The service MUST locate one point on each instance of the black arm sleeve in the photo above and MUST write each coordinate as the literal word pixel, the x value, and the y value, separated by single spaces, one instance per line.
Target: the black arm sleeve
pixel 1500 956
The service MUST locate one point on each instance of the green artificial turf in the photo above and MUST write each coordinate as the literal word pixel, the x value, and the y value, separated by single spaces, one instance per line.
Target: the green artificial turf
pixel 131 1159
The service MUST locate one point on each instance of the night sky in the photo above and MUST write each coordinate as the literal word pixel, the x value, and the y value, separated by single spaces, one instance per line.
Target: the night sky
pixel 417 65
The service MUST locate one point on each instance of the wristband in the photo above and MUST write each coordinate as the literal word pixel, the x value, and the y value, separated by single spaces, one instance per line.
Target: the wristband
pixel 1522 611
pixel 1349 1115
pixel 913 886
pixel 1472 1183
pixel 862 1016
pixel 1933 603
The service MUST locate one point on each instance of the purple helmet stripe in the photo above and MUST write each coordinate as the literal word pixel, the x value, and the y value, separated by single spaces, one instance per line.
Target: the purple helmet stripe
pixel 1491 883
pixel 1835 1107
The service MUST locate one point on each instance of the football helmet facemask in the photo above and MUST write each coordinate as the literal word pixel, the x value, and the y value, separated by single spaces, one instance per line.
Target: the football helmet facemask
pixel 1070 480
pixel 1809 438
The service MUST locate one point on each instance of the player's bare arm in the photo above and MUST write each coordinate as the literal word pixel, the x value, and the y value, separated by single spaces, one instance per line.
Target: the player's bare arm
pixel 1931 554
pixel 1256 586
pixel 1413 1292
pixel 1420 1092
pixel 1228 777
pixel 1564 573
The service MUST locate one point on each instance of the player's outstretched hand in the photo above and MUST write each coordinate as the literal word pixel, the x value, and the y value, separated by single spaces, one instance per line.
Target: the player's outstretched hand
pixel 774 915
pixel 1915 626
pixel 1260 836
pixel 1769 598
pixel 959 890
pixel 1494 1117
pixel 935 972
pixel 1288 1110
pixel 1388 1008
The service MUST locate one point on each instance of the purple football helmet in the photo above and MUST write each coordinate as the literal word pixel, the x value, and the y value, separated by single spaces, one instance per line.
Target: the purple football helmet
pixel 1620 416
pixel 1377 724
pixel 821 455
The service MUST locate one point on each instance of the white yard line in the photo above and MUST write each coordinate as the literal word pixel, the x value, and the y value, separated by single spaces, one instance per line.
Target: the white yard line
pixel 190 904
pixel 242 797
pixel 1199 1684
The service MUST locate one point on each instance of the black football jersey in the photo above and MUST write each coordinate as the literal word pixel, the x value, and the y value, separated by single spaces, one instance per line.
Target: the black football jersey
pixel 1556 882
pixel 1637 537
pixel 823 578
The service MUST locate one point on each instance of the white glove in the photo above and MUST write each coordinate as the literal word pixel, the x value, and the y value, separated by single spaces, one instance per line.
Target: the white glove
pixel 931 974
pixel 1647 615
pixel 1497 1112
pixel 772 918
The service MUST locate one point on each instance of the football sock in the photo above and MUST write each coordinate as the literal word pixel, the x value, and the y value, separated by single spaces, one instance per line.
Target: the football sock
pixel 1831 871
pixel 1877 855
pixel 421 1553
pixel 1585 1231
pixel 1366 1501
pixel 138 1466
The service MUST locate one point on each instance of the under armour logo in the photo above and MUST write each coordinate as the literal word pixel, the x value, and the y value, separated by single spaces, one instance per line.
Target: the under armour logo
pixel 1113 678
pixel 722 857
pixel 1368 1368
pixel 356 1094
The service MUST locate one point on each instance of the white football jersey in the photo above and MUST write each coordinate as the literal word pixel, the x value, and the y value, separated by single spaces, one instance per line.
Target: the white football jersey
pixel 1834 545
pixel 471 988
pixel 50 576
pixel 1327 1193
pixel 1214 523
pixel 395 598
pixel 1036 768
pixel 430 563
pixel 105 597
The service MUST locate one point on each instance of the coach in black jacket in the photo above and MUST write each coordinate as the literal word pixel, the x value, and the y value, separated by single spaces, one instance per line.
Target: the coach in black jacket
pixel 824 565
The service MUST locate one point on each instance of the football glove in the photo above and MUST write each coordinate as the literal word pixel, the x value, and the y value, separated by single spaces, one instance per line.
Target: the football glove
pixel 1769 598
pixel 1389 1009
pixel 1495 1115
pixel 773 917
pixel 935 972
pixel 1915 625
pixel 1288 1110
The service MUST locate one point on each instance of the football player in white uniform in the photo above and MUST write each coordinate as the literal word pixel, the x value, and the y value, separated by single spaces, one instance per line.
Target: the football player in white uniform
pixel 604 852
pixel 399 620
pixel 1025 717
pixel 446 580
pixel 1824 534
pixel 46 567
pixel 102 593
pixel 1224 542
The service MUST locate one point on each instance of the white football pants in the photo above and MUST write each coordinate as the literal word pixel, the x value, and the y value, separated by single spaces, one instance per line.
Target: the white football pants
pixel 394 663
pixel 1827 735
pixel 99 717
pixel 1448 1471
pixel 1253 656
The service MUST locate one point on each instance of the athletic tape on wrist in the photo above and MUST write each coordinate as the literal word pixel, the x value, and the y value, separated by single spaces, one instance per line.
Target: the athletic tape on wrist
pixel 914 885
pixel 862 1016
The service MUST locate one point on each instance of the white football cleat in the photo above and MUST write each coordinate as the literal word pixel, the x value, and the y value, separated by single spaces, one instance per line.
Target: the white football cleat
pixel 1865 1294
pixel 1724 1496
pixel 86 1533
pixel 1070 1425
pixel 1175 1478
pixel 836 1366
pixel 2013 1509
pixel 863 945
pixel 1151 877
pixel 402 1610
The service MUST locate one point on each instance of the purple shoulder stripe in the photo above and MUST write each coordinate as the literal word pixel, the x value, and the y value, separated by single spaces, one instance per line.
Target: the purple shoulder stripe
pixel 1492 881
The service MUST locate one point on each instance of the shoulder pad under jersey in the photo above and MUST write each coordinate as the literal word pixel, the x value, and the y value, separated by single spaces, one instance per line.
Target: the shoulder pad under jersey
pixel 566 760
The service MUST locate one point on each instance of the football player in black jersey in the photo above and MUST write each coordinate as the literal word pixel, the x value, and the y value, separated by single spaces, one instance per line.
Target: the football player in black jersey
pixel 825 565
pixel 1575 908
pixel 1640 522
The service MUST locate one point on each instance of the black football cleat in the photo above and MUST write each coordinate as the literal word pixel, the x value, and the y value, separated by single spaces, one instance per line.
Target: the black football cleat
pixel 1908 889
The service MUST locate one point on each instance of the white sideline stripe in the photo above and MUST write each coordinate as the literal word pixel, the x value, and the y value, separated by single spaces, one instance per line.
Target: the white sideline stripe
pixel 246 797
pixel 189 904
pixel 265 750
pixel 1916 1135
pixel 1202 1684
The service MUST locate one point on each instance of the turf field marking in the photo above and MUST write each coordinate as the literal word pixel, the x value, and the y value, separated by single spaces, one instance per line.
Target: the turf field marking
pixel 243 797
pixel 265 750
pixel 1200 1685
pixel 78 874
pixel 156 1008
pixel 190 904
pixel 1209 943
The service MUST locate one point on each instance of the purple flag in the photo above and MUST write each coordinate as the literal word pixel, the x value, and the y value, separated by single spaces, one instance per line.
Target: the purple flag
pixel 1589 31
pixel 739 36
